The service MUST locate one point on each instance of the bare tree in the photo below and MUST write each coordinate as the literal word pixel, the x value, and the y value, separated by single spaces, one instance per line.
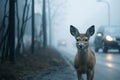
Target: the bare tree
pixel 25 18
pixel 18 28
pixel 44 24
pixel 49 19
pixel 7 29
pixel 4 34
pixel 55 10
pixel 33 24
pixel 11 27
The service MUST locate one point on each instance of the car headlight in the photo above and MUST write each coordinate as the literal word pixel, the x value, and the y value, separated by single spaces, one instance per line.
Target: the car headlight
pixel 99 34
pixel 109 38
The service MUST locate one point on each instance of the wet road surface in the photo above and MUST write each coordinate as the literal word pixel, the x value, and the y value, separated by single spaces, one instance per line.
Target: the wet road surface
pixel 107 67
pixel 107 64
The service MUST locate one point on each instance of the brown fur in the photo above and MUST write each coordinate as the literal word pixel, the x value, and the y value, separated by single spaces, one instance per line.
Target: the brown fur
pixel 85 64
pixel 85 60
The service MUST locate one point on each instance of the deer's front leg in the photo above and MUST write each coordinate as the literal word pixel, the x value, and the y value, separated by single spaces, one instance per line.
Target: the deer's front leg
pixel 79 74
pixel 90 75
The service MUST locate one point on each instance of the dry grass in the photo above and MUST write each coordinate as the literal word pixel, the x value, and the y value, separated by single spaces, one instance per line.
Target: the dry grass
pixel 30 64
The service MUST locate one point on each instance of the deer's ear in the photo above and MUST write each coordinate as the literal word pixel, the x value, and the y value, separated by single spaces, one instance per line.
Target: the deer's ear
pixel 90 31
pixel 74 31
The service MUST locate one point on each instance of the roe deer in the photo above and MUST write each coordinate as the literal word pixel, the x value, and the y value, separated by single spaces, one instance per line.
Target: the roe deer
pixel 85 60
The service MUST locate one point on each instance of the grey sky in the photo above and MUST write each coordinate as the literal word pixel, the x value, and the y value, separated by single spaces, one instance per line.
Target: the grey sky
pixel 83 14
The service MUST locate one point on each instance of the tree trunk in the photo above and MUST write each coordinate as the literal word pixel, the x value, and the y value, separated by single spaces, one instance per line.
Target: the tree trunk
pixel 50 26
pixel 18 29
pixel 44 24
pixel 4 35
pixel 33 24
pixel 11 26
pixel 25 18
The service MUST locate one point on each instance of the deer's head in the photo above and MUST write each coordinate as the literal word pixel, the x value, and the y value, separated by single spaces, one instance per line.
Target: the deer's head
pixel 82 40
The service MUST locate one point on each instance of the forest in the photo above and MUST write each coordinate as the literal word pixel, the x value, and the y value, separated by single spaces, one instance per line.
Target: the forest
pixel 26 37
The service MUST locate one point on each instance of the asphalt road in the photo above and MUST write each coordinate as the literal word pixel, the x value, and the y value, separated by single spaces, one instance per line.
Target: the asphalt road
pixel 107 64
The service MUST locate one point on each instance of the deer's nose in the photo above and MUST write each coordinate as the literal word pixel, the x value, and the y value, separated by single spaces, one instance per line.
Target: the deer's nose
pixel 80 46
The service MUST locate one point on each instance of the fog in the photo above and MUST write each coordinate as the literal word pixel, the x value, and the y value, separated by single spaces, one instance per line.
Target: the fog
pixel 82 14
pixel 35 37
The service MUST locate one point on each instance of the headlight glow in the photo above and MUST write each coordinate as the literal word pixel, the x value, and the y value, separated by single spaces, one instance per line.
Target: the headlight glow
pixel 109 38
pixel 99 34
pixel 63 42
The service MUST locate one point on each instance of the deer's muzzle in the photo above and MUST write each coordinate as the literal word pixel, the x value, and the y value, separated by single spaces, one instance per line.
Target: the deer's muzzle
pixel 80 46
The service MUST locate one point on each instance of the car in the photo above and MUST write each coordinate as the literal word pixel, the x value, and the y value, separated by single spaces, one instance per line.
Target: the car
pixel 107 38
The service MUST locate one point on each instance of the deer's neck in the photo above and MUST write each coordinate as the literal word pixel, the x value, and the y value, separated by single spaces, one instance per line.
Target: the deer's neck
pixel 82 56
pixel 83 52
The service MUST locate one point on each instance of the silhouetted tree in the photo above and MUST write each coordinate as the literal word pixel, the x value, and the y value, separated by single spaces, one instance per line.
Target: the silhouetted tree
pixel 7 29
pixel 44 24
pixel 33 25
pixel 21 30
pixel 49 19
pixel 4 34
pixel 11 33
pixel 17 51
pixel 54 12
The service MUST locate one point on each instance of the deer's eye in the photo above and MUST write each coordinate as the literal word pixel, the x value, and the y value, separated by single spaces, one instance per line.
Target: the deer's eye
pixel 77 39
pixel 85 39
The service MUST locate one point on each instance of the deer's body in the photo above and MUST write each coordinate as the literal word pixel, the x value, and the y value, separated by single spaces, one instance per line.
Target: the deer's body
pixel 85 61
